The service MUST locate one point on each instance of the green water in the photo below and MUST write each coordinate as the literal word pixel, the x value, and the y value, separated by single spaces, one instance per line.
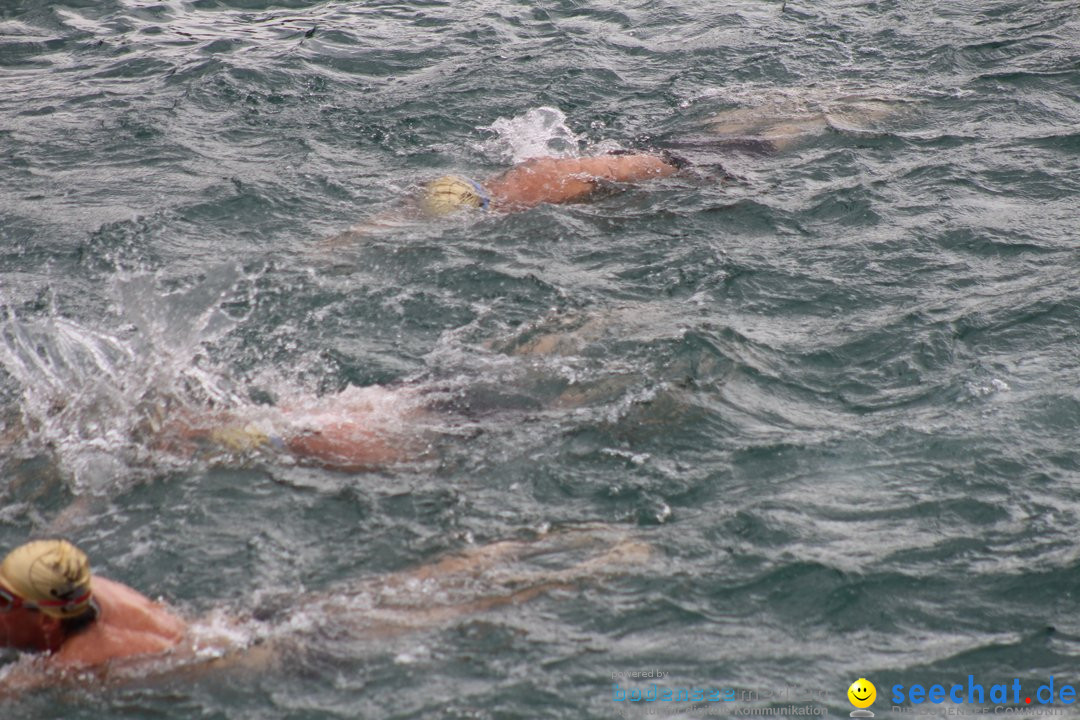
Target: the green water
pixel 837 395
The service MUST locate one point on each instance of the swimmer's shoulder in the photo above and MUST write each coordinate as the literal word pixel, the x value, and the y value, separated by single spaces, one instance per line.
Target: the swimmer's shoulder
pixel 128 624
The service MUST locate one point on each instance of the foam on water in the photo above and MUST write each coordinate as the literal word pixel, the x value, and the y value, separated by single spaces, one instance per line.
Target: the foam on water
pixel 220 633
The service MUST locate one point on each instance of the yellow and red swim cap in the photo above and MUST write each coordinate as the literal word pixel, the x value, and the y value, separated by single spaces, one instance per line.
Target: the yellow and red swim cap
pixel 51 575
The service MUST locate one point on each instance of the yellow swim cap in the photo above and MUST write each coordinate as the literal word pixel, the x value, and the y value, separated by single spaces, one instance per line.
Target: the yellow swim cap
pixel 453 192
pixel 52 575
pixel 239 438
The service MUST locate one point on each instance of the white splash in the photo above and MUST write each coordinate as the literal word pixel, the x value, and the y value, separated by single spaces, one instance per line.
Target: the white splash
pixel 985 389
pixel 540 132
pixel 219 634
pixel 87 393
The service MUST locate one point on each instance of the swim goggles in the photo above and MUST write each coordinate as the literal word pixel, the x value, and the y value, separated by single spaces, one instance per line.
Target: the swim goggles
pixel 10 601
pixel 481 192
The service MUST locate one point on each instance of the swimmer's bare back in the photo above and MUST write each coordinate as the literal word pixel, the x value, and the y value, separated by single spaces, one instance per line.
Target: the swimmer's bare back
pixel 128 624
pixel 563 180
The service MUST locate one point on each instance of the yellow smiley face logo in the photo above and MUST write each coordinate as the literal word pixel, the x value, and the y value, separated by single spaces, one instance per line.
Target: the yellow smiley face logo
pixel 862 693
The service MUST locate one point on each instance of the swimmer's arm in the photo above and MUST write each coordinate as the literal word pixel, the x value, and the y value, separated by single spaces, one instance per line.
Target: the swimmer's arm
pixel 260 658
pixel 34 673
pixel 395 621
pixel 373 226
pixel 613 548
pixel 26 675
pixel 403 216
pixel 495 563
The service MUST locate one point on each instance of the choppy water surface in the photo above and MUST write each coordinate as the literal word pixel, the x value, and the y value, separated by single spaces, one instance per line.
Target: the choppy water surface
pixel 836 395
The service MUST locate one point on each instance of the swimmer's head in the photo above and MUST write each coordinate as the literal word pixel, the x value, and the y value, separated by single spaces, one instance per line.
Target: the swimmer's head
pixel 52 576
pixel 451 193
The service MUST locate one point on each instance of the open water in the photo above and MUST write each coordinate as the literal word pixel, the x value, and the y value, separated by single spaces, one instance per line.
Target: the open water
pixel 837 395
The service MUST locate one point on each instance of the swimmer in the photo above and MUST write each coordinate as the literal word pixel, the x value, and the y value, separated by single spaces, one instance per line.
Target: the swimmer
pixel 78 628
pixel 545 180
pixel 50 603
pixel 765 128
pixel 355 430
